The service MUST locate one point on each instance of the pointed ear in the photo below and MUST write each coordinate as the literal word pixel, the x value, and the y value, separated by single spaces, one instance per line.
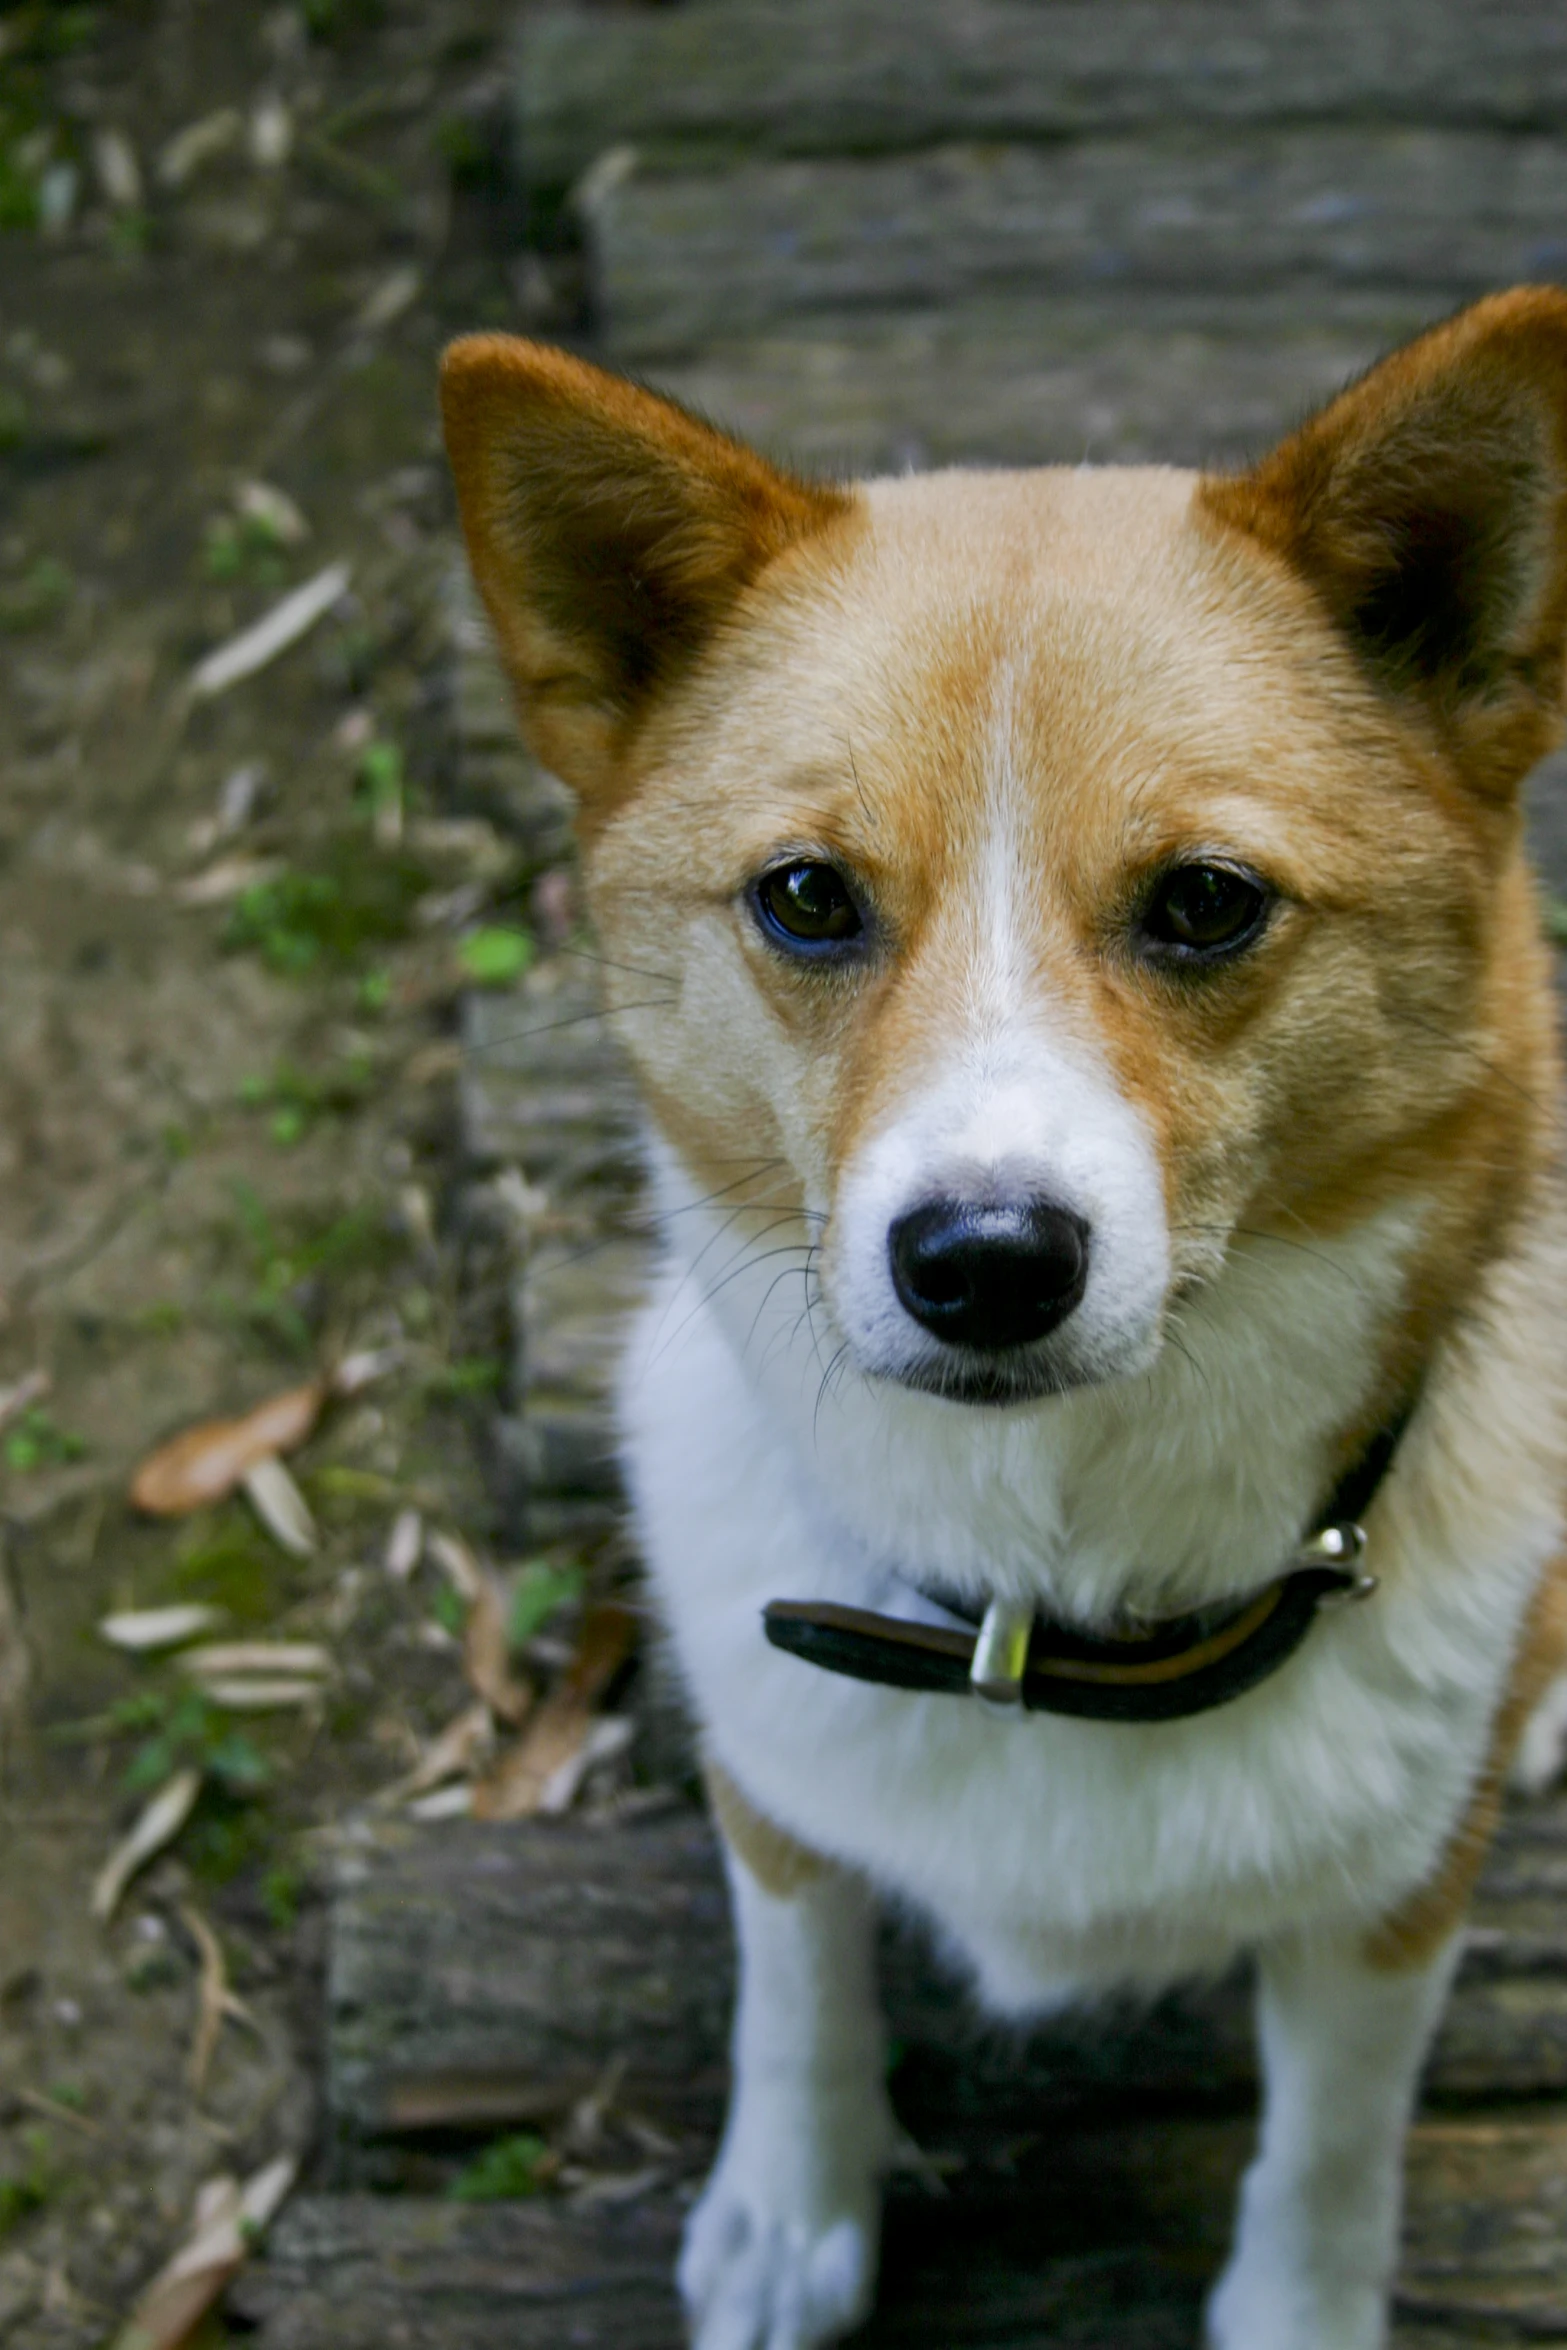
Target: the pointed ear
pixel 610 534
pixel 1427 508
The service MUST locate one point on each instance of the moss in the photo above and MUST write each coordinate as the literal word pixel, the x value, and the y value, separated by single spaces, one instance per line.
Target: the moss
pixel 228 1561
pixel 507 2170
pixel 355 901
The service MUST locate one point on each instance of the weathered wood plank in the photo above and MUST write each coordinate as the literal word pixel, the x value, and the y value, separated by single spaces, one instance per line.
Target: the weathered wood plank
pixel 529 1959
pixel 682 261
pixel 725 78
pixel 1105 2236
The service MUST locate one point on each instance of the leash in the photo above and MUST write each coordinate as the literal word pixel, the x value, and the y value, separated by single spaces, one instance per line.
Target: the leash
pixel 1184 1665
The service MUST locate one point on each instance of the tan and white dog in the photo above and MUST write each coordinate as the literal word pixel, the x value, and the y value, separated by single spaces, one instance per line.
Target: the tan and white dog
pixel 1074 932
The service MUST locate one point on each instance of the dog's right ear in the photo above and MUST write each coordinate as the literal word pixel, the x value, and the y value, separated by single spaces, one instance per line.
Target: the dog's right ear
pixel 610 534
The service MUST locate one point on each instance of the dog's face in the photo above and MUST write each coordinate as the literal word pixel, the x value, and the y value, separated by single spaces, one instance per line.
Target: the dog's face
pixel 1030 880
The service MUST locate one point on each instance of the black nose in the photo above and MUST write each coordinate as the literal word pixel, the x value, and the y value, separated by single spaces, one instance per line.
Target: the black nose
pixel 989 1276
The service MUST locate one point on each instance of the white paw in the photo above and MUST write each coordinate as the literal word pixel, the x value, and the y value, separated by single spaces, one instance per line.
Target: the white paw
pixel 1254 2307
pixel 754 2277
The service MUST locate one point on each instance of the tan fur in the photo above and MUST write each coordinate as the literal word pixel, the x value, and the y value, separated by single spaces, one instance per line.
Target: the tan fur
pixel 1436 1909
pixel 1336 667
pixel 779 1865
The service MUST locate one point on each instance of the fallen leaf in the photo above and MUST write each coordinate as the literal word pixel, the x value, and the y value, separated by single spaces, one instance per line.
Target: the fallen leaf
pixel 454 1753
pixel 258 1656
pixel 457 1563
pixel 404 1545
pixel 252 1695
pixel 197 144
pixel 215 1999
pixel 20 1397
pixel 206 1463
pixel 157 1826
pixel 281 1507
pixel 610 1735
pixel 540 1766
pixel 228 2221
pixel 272 635
pixel 486 1653
pixel 227 879
pixel 274 509
pixel 445 1803
pixel 143 1631
pixel 362 1369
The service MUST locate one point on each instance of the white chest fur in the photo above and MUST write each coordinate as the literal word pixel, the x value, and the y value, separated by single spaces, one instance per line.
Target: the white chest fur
pixel 1058 1853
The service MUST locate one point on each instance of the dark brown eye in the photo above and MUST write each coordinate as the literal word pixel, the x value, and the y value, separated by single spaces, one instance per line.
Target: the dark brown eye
pixel 1201 911
pixel 807 905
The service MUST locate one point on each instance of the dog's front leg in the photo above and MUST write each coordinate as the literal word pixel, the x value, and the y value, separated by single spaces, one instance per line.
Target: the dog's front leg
pixel 1342 2042
pixel 780 2253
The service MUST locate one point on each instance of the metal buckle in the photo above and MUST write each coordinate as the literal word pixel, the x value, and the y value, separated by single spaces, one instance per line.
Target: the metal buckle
pixel 1001 1651
pixel 1339 1546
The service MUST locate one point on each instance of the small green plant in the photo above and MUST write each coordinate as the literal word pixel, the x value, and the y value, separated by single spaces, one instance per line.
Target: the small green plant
pixel 495 956
pixel 281 1262
pixel 297 1100
pixel 244 547
pixel 506 2171
pixel 540 1591
pixel 374 991
pixel 449 1610
pixel 380 780
pixel 37 1441
pixel 300 920
pixel 282 1888
pixel 468 1375
pixel 186 1732
pixel 38 597
pixel 28 2192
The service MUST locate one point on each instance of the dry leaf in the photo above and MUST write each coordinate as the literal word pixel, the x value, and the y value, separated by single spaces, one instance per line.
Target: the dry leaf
pixel 216 2000
pixel 283 626
pixel 486 1656
pixel 540 1765
pixel 143 1631
pixel 363 1368
pixel 610 1735
pixel 404 1545
pixel 206 1463
pixel 22 1395
pixel 457 1563
pixel 457 1751
pixel 257 1656
pixel 226 880
pixel 228 2221
pixel 252 1695
pixel 158 1825
pixel 281 1507
pixel 445 1803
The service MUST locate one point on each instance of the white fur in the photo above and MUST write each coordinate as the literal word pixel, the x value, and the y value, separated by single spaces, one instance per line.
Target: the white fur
pixel 1054 1856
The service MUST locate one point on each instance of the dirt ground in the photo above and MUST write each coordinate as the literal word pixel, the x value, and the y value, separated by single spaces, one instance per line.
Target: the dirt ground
pixel 226 1110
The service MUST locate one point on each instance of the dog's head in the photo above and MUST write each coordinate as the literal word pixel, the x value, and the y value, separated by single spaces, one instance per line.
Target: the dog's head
pixel 1033 879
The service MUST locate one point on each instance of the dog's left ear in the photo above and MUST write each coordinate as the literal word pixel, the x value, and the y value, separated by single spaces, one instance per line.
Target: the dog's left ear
pixel 1427 508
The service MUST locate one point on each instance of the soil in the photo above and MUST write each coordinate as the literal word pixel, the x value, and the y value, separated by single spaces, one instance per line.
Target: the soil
pixel 226 1113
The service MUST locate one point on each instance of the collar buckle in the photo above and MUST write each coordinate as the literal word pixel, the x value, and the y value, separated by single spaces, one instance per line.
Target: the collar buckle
pixel 1001 1651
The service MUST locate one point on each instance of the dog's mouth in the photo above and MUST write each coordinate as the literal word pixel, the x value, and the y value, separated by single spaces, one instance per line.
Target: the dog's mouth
pixel 994 1383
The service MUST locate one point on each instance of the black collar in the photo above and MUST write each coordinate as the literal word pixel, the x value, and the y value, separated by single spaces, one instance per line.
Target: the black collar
pixel 1185 1665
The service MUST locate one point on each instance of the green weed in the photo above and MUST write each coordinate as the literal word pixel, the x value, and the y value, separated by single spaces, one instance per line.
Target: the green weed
pixel 38 1442
pixel 244 547
pixel 189 1733
pixel 506 2171
pixel 42 592
pixel 21 2196
pixel 298 1100
pixel 539 1592
pixel 495 956
pixel 301 920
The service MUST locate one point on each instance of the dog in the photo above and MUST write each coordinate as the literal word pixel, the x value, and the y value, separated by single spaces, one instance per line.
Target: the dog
pixel 1097 1434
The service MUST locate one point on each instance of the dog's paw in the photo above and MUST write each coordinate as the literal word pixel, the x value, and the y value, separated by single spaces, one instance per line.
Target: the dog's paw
pixel 1255 2308
pixel 758 2278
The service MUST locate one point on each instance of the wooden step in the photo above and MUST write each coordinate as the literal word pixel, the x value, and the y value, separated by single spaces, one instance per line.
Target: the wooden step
pixel 1102 2237
pixel 1429 218
pixel 514 1964
pixel 722 79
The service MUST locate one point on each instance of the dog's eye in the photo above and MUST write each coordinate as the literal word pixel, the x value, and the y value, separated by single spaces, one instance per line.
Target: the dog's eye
pixel 807 904
pixel 1202 910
